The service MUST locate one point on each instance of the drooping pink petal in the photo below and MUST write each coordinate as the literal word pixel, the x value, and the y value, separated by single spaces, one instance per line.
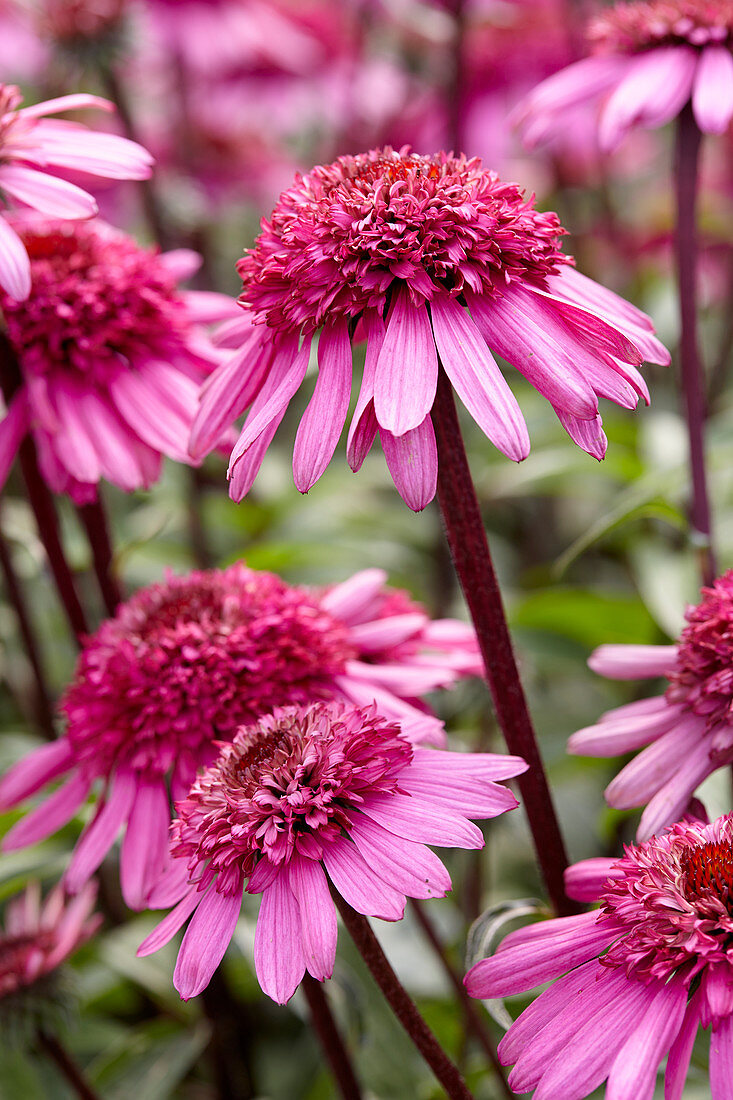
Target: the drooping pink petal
pixel 52 814
pixel 579 289
pixel 99 835
pixel 670 801
pixel 286 374
pixel 477 379
pixel 205 307
pixel 712 94
pixel 205 941
pixel 359 884
pixel 655 88
pixel 646 773
pixel 164 932
pixel 227 393
pixel 13 428
pixel 406 373
pixel 588 434
pixel 317 916
pixel 412 460
pixel 75 102
pixel 436 767
pixel 604 336
pixel 52 144
pixel 460 793
pixel 72 440
pixel 146 842
pixel 160 427
pixel 613 738
pixel 678 1060
pixel 364 425
pixel 633 1074
pixel 409 867
pixel 15 267
pixel 243 474
pixel 542 113
pixel 279 959
pixel 181 263
pixel 323 420
pixel 380 634
pixel 35 770
pixel 48 194
pixel 543 1011
pixel 633 662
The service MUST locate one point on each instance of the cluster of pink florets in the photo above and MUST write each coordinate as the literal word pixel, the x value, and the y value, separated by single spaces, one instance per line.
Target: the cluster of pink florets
pixel 283 786
pixel 673 903
pixel 702 678
pixel 342 234
pixel 98 302
pixel 186 662
pixel 632 27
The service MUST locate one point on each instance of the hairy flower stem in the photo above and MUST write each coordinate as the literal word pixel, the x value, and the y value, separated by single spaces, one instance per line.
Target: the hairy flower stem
pixel 400 1001
pixel 42 695
pixel 41 501
pixel 687 155
pixel 472 559
pixel 66 1064
pixel 94 518
pixel 474 1023
pixel 330 1038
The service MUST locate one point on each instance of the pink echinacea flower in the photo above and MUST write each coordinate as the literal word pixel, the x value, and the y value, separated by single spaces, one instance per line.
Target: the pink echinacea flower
pixel 635 978
pixel 184 664
pixel 651 57
pixel 688 731
pixel 34 150
pixel 110 353
pixel 308 797
pixel 428 257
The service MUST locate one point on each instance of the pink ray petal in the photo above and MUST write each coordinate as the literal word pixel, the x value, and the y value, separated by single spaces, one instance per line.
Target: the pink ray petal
pixel 205 941
pixel 633 662
pixel 317 916
pixel 52 814
pixel 407 370
pixel 164 932
pixel 412 460
pixel 15 267
pixel 13 428
pixel 279 959
pixel 655 88
pixel 145 845
pixel 364 425
pixel 99 835
pixel 359 884
pixel 323 420
pixel 35 770
pixel 49 195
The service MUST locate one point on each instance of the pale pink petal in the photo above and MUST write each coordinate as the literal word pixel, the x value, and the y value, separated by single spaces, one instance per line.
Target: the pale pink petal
pixel 712 95
pixel 181 263
pixel 613 738
pixel 633 662
pixel 99 835
pixel 421 820
pixel 543 1011
pixel 385 633
pixel 412 460
pixel 243 474
pixel 51 145
pixel 164 932
pixel 205 307
pixel 146 842
pixel 359 884
pixel 53 813
pixel 35 770
pixel 353 600
pixel 227 393
pixel 406 374
pixel 670 801
pixel 73 438
pixel 402 678
pixel 416 725
pixel 648 772
pixel 286 374
pixel 279 959
pixel 13 428
pixel 49 195
pixel 543 113
pixel 436 766
pixel 460 793
pixel 317 916
pixel 579 289
pixel 678 1060
pixel 116 447
pixel 205 941
pixel 476 378
pixel 172 883
pixel 655 88
pixel 323 420
pixel 633 1075
pixel 410 868
pixel 588 434
pixel 75 102
pixel 158 426
pixel 596 330
pixel 584 881
pixel 364 425
pixel 15 267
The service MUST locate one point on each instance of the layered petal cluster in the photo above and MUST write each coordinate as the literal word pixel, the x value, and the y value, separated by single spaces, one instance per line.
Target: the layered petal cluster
pixel 304 799
pixel 111 356
pixel 685 734
pixel 433 260
pixel 635 979
pixel 37 936
pixel 35 151
pixel 651 57
pixel 184 664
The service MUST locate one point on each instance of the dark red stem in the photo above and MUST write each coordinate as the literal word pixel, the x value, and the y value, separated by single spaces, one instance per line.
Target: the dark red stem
pixel 94 518
pixel 470 552
pixel 400 1001
pixel 330 1038
pixel 66 1064
pixel 687 156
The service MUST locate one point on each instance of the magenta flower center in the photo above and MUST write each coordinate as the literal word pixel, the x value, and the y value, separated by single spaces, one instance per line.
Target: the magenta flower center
pixel 703 677
pixel 633 27
pixel 98 303
pixel 288 783
pixel 340 237
pixel 185 663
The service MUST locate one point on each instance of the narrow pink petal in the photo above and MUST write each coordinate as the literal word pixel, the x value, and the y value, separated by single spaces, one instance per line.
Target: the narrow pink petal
pixel 410 868
pixel 116 447
pixel 75 102
pixel 158 426
pixel 671 800
pixel 205 941
pixel 655 88
pixel 543 112
pixel 73 443
pixel 363 427
pixel 227 393
pixel 317 916
pixel 402 678
pixel 286 375
pixel 279 959
pixel 99 835
pixel 323 420
pixel 649 771
pixel 633 662
pixel 544 1010
pixel 145 845
pixel 678 1060
pixel 406 374
pixel 48 194
pixel 164 932
pixel 384 633
pixel 15 267
pixel 588 434
pixel 476 378
pixel 13 428
pixel 358 598
pixel 205 307
pixel 51 145
pixel 460 794
pixel 171 884
pixel 243 474
pixel 181 263
pixel 577 288
pixel 439 766
pixel 514 326
pixel 416 725
pixel 599 333
pixel 585 880
pixel 359 884
pixel 52 814
pixel 35 770
pixel 412 460
pixel 609 738
pixel 418 818
pixel 633 1075
pixel 712 95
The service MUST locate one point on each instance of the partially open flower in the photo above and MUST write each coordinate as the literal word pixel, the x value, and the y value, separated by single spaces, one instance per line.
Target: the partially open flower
pixel 185 663
pixel 431 258
pixel 639 976
pixel 688 730
pixel 305 797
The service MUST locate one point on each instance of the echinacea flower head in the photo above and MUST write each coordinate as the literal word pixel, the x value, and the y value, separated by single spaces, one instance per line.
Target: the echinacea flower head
pixel 427 257
pixel 306 797
pixel 635 978
pixel 111 356
pixel 687 731
pixel 185 663
pixel 649 59
pixel 35 151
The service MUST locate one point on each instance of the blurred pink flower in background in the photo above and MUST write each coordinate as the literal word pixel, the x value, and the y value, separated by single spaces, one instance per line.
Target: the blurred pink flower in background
pixel 33 150
pixel 639 976
pixel 111 356
pixel 401 244
pixel 184 663
pixel 649 59
pixel 688 730
pixel 307 796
